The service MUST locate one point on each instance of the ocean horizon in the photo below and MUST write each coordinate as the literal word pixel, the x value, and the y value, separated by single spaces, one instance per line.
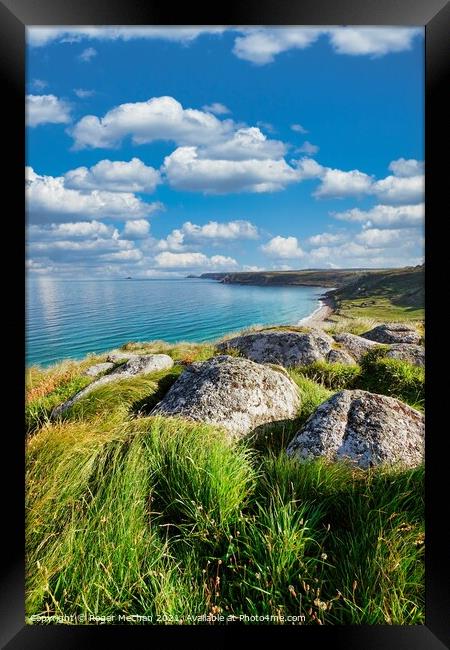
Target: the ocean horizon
pixel 67 318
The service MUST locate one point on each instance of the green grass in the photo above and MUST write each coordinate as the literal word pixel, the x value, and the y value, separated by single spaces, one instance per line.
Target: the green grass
pixel 129 514
pixel 379 308
pixel 376 374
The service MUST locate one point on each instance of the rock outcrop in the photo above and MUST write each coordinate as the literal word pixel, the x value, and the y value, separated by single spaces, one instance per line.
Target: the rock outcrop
pixel 98 369
pixel 136 365
pixel 339 355
pixel 393 333
pixel 364 428
pixel 232 392
pixel 284 347
pixel 116 356
pixel 410 352
pixel 356 346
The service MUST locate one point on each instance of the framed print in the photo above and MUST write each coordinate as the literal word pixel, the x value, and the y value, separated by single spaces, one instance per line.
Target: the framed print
pixel 228 284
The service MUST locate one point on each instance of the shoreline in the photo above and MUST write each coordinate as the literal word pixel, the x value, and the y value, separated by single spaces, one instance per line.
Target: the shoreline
pixel 319 315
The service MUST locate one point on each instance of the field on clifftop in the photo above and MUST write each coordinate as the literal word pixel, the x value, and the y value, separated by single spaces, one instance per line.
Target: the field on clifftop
pixel 129 514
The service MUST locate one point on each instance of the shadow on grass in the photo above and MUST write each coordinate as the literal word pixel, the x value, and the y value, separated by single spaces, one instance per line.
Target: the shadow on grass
pixel 146 404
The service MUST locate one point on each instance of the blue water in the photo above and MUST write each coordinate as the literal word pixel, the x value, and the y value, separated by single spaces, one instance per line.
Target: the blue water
pixel 70 318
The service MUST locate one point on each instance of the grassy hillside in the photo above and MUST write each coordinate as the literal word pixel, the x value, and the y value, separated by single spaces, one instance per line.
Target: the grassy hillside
pixel 393 295
pixel 129 514
pixel 313 277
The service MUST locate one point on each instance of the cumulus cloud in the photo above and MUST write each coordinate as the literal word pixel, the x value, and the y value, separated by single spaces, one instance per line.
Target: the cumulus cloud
pixel 386 216
pixel 384 238
pixel 185 169
pixel 137 229
pixel 48 199
pixel 308 148
pixel 171 260
pixel 406 168
pixel 212 232
pixel 283 248
pixel 117 176
pixel 217 108
pixel 46 109
pixel 39 36
pixel 72 230
pixel 400 189
pixel 374 41
pixel 88 54
pixel 325 238
pixel 159 118
pixel 337 183
pixel 261 46
pixel 216 231
pixel 245 144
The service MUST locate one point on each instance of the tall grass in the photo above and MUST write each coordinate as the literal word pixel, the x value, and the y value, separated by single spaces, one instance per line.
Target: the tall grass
pixel 129 514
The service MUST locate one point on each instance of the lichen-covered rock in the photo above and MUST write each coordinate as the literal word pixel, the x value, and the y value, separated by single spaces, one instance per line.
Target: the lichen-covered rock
pixel 355 345
pixel 97 369
pixel 410 352
pixel 137 365
pixel 339 355
pixel 232 392
pixel 286 348
pixel 393 333
pixel 118 356
pixel 364 428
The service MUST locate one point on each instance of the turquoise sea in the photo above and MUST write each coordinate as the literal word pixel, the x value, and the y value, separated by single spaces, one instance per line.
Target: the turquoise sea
pixel 70 318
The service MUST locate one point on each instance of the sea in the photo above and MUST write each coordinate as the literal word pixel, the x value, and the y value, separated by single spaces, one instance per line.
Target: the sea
pixel 69 318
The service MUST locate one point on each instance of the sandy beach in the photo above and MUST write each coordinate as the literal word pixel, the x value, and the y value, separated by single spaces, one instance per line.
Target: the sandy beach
pixel 320 315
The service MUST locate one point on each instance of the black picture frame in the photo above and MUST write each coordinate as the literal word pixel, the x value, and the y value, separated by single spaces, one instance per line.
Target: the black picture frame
pixel 15 15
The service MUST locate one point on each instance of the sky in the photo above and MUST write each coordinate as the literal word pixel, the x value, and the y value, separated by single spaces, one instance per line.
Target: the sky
pixel 157 152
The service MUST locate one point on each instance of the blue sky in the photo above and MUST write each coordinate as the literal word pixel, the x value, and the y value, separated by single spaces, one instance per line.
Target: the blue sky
pixel 157 152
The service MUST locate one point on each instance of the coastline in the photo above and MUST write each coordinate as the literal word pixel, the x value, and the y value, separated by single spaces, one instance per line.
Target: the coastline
pixel 321 314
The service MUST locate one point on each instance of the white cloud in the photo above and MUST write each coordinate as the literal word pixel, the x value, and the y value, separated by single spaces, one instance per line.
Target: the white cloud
pixel 375 41
pixel 283 248
pixel 185 169
pixel 398 189
pixel 325 238
pixel 401 188
pixel 83 93
pixel 405 168
pixel 260 46
pixel 137 229
pixel 308 148
pixel 48 199
pixel 39 36
pixel 337 183
pixel 132 255
pixel 46 109
pixel 212 232
pixel 88 54
pixel 217 108
pixel 245 144
pixel 72 230
pixel 385 238
pixel 387 216
pixel 117 176
pixel 173 242
pixel 159 118
pixel 39 84
pixel 170 260
pixel 298 128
